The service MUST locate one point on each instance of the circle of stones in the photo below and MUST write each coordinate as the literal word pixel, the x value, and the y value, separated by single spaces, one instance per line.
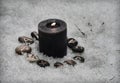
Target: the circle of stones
pixel 32 58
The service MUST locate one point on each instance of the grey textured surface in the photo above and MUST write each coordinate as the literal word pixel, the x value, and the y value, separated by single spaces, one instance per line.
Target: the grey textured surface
pixel 101 42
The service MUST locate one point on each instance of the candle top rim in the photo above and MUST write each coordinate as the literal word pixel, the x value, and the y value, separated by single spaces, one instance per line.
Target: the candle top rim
pixel 61 26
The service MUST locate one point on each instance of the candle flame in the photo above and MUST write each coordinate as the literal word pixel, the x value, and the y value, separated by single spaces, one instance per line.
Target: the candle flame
pixel 53 24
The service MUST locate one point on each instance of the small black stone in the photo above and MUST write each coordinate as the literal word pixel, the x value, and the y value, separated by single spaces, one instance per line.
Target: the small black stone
pixel 103 23
pixel 58 64
pixel 32 57
pixel 70 62
pixel 43 63
pixel 71 42
pixel 89 24
pixel 23 49
pixel 34 34
pixel 79 49
pixel 81 59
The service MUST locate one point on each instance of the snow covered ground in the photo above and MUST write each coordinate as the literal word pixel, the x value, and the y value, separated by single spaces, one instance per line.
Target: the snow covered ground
pixel 98 19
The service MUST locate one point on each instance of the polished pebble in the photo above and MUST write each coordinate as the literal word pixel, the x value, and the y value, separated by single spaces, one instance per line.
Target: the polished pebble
pixel 79 49
pixel 43 63
pixel 70 62
pixel 81 59
pixel 71 42
pixel 34 34
pixel 23 49
pixel 58 64
pixel 32 58
pixel 26 40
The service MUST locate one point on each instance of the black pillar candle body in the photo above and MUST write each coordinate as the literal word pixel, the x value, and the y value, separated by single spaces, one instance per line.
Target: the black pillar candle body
pixel 53 37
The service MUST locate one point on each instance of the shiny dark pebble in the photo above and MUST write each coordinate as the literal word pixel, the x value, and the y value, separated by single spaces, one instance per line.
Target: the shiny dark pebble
pixel 71 42
pixel 58 64
pixel 34 34
pixel 79 58
pixel 43 63
pixel 70 62
pixel 24 39
pixel 78 49
pixel 23 49
pixel 32 57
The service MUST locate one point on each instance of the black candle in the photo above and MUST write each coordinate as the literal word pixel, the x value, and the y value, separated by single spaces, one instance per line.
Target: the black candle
pixel 53 37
